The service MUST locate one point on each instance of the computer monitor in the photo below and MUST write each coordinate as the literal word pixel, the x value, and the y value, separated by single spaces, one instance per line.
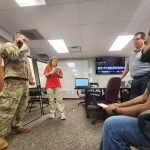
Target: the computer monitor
pixel 81 83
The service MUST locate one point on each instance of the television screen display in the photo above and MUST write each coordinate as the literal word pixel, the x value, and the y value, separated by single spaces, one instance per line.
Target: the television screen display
pixel 81 82
pixel 110 65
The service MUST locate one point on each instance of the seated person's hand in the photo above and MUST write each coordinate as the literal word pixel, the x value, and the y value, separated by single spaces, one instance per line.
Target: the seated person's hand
pixel 110 108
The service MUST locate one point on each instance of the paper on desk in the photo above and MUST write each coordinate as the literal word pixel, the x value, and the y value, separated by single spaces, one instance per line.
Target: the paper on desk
pixel 102 105
pixel 55 70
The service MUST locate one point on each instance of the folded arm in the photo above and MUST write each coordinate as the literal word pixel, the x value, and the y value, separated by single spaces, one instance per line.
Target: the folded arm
pixel 132 107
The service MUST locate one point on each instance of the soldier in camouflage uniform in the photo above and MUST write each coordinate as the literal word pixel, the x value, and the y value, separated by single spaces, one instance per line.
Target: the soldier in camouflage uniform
pixel 14 96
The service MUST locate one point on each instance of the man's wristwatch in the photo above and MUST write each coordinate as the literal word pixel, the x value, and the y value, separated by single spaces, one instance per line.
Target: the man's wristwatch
pixel 114 111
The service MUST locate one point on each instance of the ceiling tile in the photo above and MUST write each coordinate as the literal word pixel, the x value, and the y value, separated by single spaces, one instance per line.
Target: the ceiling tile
pixel 92 11
pixel 53 15
pixel 90 30
pixel 120 10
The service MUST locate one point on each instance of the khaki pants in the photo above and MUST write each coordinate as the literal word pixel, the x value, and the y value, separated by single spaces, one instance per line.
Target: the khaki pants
pixel 13 103
pixel 52 94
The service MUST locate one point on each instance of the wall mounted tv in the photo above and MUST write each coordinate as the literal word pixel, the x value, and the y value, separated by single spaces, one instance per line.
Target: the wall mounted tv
pixel 110 65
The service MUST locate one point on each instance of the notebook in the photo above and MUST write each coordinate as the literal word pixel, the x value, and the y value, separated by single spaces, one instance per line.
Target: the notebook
pixel 102 105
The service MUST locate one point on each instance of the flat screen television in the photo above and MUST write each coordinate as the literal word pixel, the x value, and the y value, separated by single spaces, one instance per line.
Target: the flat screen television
pixel 81 83
pixel 110 65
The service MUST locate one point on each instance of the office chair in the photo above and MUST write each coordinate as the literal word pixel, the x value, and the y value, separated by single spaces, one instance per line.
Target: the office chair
pixel 36 95
pixel 144 116
pixel 111 96
pixel 81 94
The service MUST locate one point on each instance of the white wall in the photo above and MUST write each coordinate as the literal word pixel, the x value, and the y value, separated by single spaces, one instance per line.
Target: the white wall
pixel 68 81
pixel 84 68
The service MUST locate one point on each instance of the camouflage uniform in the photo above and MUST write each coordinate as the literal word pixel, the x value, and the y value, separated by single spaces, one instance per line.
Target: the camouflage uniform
pixel 14 96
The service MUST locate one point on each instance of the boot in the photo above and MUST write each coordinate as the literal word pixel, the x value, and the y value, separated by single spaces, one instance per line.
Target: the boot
pixel 20 130
pixel 3 143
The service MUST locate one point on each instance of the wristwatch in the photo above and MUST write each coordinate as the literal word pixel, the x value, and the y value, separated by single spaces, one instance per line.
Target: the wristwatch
pixel 114 111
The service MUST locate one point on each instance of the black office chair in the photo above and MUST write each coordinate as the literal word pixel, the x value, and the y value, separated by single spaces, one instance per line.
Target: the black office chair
pixel 37 95
pixel 144 116
pixel 81 94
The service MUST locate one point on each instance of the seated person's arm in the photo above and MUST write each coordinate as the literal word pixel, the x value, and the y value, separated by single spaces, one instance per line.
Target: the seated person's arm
pixel 134 111
pixel 130 107
pixel 138 100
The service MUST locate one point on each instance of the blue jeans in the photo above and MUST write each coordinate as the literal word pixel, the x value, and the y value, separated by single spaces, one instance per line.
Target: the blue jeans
pixel 119 132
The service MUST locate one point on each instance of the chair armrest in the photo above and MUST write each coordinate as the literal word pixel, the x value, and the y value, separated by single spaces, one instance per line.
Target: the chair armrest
pixel 141 123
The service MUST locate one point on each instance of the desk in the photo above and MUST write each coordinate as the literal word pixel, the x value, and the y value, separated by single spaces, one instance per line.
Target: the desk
pixel 124 95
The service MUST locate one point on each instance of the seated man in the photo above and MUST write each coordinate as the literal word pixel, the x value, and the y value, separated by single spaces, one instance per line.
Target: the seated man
pixel 119 132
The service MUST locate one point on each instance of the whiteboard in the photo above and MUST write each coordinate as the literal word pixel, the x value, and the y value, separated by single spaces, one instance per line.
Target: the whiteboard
pixel 32 70
pixel 41 67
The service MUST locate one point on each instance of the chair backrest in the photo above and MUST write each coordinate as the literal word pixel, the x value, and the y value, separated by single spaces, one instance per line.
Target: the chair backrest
pixel 112 90
pixel 35 91
pixel 143 117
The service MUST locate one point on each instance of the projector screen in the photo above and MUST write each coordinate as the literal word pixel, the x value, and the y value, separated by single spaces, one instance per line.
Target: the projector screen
pixel 32 70
pixel 41 67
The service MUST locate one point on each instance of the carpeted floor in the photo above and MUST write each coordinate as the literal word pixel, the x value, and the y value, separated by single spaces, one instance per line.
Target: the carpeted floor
pixel 74 133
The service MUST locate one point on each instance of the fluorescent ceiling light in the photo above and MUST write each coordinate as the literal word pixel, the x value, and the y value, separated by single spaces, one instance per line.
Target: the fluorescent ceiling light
pixel 25 3
pixel 71 65
pixel 121 42
pixel 59 45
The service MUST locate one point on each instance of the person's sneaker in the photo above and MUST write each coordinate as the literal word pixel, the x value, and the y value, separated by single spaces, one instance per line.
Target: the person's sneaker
pixel 63 117
pixel 3 143
pixel 20 130
pixel 52 115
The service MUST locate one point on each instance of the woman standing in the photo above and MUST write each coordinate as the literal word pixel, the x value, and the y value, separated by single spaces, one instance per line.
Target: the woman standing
pixel 53 74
